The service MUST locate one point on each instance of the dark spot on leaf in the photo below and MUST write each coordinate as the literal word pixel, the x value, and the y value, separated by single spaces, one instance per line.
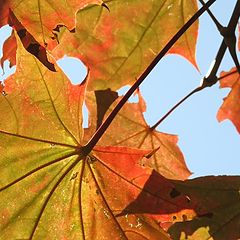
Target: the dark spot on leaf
pixel 33 48
pixel 174 218
pixel 86 180
pixel 50 66
pixel 55 37
pixel 4 93
pixel 22 33
pixel 184 217
pixel 91 159
pixel 73 30
pixel 174 193
pixel 74 175
pixel 40 53
pixel 55 32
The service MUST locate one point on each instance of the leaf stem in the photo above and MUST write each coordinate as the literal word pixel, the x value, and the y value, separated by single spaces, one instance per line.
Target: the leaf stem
pixel 100 131
pixel 174 107
pixel 227 75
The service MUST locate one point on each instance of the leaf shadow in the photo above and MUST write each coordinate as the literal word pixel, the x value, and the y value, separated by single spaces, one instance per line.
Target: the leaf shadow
pixel 205 207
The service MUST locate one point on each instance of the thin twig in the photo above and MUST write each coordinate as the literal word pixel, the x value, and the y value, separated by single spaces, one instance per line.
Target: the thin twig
pixel 211 78
pixel 174 107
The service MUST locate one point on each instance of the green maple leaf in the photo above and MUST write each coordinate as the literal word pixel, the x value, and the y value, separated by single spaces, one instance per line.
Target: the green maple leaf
pixel 49 188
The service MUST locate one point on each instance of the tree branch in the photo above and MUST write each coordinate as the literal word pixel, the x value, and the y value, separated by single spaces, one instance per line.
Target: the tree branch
pixel 228 32
pixel 211 78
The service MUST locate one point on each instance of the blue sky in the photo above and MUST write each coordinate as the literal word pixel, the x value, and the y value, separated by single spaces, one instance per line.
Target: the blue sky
pixel 210 148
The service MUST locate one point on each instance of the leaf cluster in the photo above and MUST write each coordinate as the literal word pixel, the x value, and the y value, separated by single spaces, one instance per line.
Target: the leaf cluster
pixel 119 178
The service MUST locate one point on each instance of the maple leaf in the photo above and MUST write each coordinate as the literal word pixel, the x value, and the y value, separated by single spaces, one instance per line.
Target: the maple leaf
pixel 230 109
pixel 133 131
pixel 49 187
pixel 52 189
pixel 118 44
pixel 219 199
pixel 122 41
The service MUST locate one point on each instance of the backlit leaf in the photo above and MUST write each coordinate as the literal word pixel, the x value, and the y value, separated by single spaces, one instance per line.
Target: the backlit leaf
pixel 129 128
pixel 48 188
pixel 39 130
pixel 118 44
pixel 34 107
pixel 51 187
pixel 230 108
pixel 29 42
pixel 154 195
